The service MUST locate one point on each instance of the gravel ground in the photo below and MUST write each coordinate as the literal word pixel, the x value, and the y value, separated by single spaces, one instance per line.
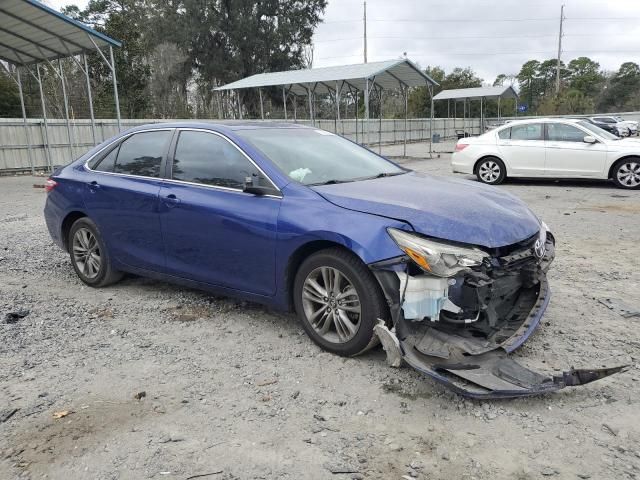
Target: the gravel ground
pixel 164 382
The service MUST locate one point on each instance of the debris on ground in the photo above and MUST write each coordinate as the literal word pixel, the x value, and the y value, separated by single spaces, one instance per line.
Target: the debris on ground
pixel 140 395
pixel 13 317
pixel 7 414
pixel 620 307
pixel 61 414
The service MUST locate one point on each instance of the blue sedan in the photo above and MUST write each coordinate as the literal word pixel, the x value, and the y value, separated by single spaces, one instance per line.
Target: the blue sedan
pixel 449 275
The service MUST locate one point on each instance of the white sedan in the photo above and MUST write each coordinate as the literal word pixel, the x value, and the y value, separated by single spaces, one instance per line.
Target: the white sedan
pixel 549 148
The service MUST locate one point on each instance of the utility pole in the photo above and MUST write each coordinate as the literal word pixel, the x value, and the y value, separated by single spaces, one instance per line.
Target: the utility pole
pixel 364 19
pixel 559 50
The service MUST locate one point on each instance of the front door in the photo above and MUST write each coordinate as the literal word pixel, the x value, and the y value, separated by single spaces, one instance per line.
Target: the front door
pixel 568 155
pixel 122 198
pixel 522 149
pixel 213 231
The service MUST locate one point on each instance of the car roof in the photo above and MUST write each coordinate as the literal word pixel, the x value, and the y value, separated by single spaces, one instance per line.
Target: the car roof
pixel 220 126
pixel 542 120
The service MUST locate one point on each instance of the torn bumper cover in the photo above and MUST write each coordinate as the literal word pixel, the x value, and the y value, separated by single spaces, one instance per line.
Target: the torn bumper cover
pixel 483 316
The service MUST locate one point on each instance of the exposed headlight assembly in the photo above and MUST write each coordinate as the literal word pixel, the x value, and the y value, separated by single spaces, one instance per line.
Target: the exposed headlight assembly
pixel 437 257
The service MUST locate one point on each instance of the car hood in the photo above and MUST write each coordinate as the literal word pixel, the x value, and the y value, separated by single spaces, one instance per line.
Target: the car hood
pixel 450 209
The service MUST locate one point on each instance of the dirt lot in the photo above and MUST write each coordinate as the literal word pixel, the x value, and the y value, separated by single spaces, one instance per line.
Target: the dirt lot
pixel 238 392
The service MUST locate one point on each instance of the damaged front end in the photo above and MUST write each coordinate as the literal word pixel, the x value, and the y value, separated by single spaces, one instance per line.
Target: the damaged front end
pixel 459 311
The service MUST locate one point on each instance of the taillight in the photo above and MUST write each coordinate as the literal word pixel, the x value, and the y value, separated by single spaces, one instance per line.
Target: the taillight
pixel 461 146
pixel 50 184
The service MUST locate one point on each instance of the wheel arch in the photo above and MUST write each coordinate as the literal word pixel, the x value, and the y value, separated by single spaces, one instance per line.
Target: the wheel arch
pixel 303 252
pixel 618 160
pixel 68 221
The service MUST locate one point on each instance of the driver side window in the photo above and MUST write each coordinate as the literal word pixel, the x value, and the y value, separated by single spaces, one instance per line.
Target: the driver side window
pixel 210 159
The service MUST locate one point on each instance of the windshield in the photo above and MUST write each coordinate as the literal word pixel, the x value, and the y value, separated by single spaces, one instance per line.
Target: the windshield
pixel 597 130
pixel 618 119
pixel 314 157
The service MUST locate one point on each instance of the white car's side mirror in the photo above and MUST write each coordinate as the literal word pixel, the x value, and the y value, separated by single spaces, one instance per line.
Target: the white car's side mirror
pixel 589 139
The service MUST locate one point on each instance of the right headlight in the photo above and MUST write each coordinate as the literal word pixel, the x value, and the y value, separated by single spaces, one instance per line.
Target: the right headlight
pixel 437 257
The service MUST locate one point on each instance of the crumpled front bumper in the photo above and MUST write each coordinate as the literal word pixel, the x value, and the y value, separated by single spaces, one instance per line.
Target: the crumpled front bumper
pixel 475 368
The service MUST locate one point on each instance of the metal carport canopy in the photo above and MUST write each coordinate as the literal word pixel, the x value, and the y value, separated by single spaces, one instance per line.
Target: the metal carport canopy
pixel 389 74
pixel 476 92
pixel 31 32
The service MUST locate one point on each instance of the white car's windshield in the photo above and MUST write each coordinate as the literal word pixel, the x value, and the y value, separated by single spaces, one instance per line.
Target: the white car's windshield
pixel 314 157
pixel 598 131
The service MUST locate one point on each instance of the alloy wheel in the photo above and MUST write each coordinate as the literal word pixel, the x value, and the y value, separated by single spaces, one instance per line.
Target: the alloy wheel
pixel 489 171
pixel 331 304
pixel 86 253
pixel 629 174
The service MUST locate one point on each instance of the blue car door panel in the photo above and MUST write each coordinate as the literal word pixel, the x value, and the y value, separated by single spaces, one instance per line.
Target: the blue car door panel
pixel 213 231
pixel 122 198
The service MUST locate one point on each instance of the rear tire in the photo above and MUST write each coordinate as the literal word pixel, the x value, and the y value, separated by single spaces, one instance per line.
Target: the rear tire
pixel 338 301
pixel 491 170
pixel 89 254
pixel 626 173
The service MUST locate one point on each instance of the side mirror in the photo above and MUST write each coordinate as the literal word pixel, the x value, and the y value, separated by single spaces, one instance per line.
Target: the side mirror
pixel 589 139
pixel 249 187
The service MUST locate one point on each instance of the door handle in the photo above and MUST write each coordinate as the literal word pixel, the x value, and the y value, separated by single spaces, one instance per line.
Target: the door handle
pixel 93 186
pixel 171 200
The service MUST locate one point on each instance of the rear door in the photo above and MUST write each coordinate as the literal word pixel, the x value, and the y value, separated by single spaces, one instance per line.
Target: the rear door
pixel 122 198
pixel 568 155
pixel 522 149
pixel 213 231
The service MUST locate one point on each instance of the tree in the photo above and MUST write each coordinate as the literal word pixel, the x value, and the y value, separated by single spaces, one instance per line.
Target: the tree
pixel 128 21
pixel 420 101
pixel 226 40
pixel 622 88
pixel 9 97
pixel 585 76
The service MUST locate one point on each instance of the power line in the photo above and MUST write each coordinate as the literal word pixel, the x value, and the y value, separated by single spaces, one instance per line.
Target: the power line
pixel 484 20
pixel 488 53
pixel 475 37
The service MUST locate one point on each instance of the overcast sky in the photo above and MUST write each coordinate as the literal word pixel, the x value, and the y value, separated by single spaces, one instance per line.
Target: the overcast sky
pixel 490 36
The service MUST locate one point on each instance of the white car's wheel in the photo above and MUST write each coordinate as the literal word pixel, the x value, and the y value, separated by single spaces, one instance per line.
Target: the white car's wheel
pixel 491 170
pixel 626 173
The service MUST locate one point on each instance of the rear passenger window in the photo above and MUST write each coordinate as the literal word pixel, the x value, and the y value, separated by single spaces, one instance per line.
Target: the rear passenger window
pixel 207 158
pixel 142 154
pixel 505 134
pixel 528 131
pixel 106 163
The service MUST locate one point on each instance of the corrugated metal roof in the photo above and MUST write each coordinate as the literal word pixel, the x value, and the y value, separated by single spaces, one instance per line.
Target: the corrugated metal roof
pixel 389 74
pixel 478 92
pixel 31 32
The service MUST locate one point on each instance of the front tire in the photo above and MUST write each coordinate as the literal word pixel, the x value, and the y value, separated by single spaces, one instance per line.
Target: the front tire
pixel 338 301
pixel 626 173
pixel 491 170
pixel 89 255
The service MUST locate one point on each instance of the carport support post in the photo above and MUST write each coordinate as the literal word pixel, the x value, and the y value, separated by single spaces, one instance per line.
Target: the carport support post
pixel 261 105
pixel 481 117
pixel 284 102
pixel 430 88
pixel 66 108
pixel 115 86
pixel 44 118
pixel 366 111
pixel 357 105
pixel 24 120
pixel 406 117
pixel 90 99
pixel 448 116
pixel 380 123
pixel 310 105
pixel 499 109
